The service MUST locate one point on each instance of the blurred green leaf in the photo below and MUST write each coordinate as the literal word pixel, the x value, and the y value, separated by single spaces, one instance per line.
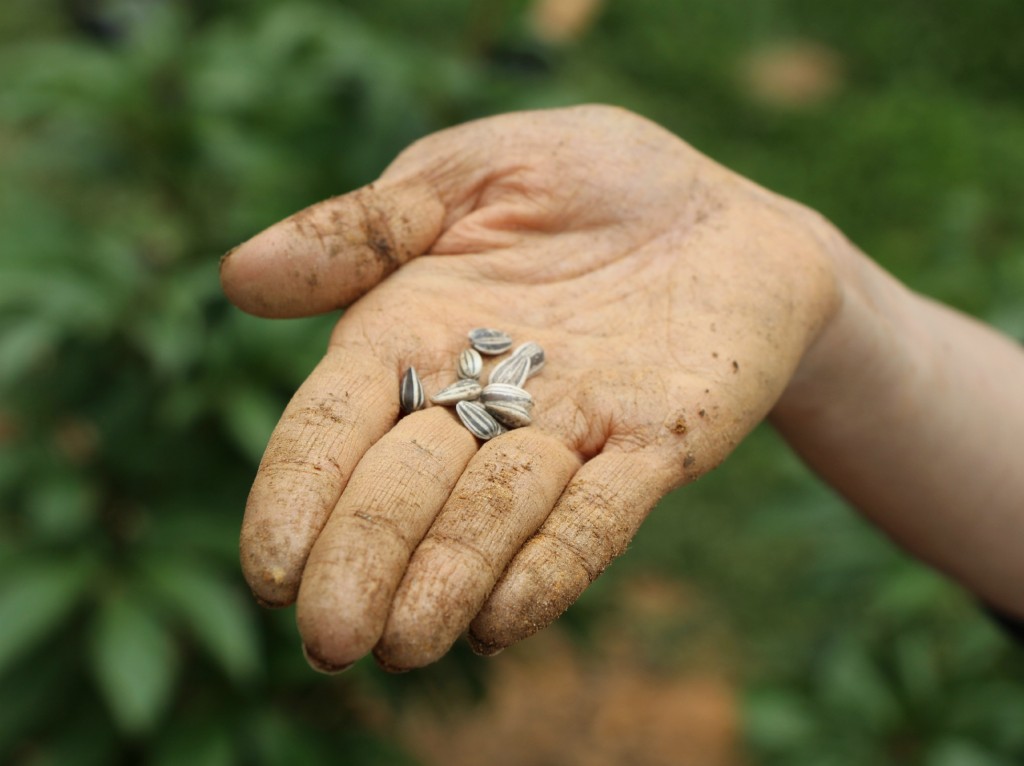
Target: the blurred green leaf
pixel 181 527
pixel 61 507
pixel 135 662
pixel 63 75
pixel 852 685
pixel 953 752
pixel 283 351
pixel 911 589
pixel 170 339
pixel 170 332
pixel 979 646
pixel 63 299
pixel 85 739
pixel 917 666
pixel 197 743
pixel 35 599
pixel 30 691
pixel 275 738
pixel 364 746
pixel 991 711
pixel 22 346
pixel 250 414
pixel 777 720
pixel 218 614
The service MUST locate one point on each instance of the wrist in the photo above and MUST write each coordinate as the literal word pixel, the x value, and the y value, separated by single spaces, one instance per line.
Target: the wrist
pixel 867 344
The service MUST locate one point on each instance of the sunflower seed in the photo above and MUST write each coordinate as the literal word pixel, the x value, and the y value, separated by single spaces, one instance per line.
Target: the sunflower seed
pixel 460 390
pixel 470 364
pixel 478 420
pixel 514 370
pixel 503 393
pixel 490 342
pixel 410 393
pixel 510 414
pixel 535 353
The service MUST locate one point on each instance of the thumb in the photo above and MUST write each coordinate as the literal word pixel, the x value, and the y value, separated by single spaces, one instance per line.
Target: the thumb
pixel 328 255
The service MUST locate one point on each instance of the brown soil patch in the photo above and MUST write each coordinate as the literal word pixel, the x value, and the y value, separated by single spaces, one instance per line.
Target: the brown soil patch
pixel 792 74
pixel 550 702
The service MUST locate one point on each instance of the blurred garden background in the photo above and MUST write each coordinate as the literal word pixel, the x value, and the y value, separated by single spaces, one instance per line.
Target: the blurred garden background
pixel 755 620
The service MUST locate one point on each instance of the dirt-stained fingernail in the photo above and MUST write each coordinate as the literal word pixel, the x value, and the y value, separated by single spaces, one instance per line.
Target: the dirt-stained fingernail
pixel 320 665
pixel 228 254
pixel 268 604
pixel 483 648
pixel 385 665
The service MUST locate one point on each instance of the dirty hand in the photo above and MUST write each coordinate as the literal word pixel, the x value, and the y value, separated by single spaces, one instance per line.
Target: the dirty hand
pixel 674 300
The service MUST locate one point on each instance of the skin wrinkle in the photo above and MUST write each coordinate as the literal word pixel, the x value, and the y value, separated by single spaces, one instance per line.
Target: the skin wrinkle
pixel 555 541
pixel 502 186
pixel 337 553
pixel 283 465
pixel 579 504
pixel 411 454
pixel 433 456
pixel 560 275
pixel 589 434
pixel 312 440
pixel 455 181
pixel 392 526
pixel 619 399
pixel 451 541
pixel 394 493
pixel 516 189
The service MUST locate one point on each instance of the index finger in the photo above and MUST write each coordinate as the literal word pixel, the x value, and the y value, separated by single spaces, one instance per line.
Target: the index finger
pixel 348 402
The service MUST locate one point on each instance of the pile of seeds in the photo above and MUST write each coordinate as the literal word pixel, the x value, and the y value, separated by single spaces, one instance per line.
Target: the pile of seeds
pixel 486 410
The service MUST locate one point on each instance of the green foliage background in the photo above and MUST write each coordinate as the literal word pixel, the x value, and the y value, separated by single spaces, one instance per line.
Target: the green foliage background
pixel 140 139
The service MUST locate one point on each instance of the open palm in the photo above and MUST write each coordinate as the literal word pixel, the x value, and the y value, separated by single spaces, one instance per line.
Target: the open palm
pixel 674 301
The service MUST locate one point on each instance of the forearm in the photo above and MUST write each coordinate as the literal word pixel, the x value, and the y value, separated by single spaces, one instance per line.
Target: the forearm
pixel 914 413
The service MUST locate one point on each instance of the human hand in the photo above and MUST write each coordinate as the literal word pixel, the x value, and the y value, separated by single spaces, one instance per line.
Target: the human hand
pixel 674 300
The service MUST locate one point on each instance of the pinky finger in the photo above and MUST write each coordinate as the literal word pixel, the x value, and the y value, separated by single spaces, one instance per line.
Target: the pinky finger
pixel 592 523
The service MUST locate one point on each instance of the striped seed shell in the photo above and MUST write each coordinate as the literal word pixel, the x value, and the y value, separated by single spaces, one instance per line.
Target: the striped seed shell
pixel 532 350
pixel 478 420
pixel 410 392
pixel 459 391
pixel 503 393
pixel 470 364
pixel 510 414
pixel 513 370
pixel 489 341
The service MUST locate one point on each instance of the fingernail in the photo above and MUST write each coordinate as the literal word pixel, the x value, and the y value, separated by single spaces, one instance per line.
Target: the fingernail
pixel 226 255
pixel 483 648
pixel 268 604
pixel 321 665
pixel 385 665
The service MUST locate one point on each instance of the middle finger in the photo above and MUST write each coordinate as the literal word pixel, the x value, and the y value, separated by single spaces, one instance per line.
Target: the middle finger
pixel 504 495
pixel 358 560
